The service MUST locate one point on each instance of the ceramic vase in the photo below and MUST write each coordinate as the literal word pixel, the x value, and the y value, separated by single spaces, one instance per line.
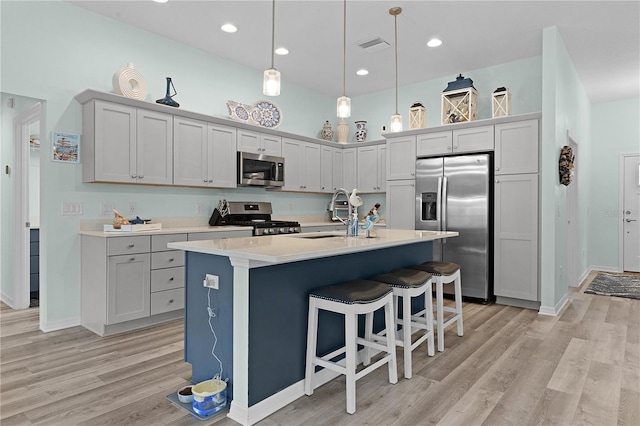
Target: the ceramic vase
pixel 130 83
pixel 361 131
pixel 327 132
pixel 342 131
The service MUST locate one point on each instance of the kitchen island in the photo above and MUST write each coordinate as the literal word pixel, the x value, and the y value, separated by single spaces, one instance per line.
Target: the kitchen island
pixel 256 321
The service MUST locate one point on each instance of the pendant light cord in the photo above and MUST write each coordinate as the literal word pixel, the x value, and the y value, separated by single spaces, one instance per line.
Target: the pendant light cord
pixel 395 24
pixel 273 33
pixel 344 52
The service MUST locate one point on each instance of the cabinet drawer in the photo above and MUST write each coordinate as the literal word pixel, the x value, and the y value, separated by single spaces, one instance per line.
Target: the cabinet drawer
pixel 128 245
pixel 167 279
pixel 167 259
pixel 168 300
pixel 159 242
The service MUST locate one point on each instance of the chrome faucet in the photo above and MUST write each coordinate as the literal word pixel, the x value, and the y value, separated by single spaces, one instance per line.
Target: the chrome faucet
pixel 332 205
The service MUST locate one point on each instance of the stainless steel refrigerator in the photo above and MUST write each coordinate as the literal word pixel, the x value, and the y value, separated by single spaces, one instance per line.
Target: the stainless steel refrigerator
pixel 454 194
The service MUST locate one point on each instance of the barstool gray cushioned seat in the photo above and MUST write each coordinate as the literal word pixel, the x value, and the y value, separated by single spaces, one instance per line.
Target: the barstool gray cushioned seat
pixel 359 291
pixel 350 299
pixel 445 273
pixel 408 283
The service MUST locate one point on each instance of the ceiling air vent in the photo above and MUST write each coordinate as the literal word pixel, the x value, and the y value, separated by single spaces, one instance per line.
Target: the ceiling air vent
pixel 373 44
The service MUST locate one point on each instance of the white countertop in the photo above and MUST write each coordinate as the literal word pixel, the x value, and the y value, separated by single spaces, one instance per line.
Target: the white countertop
pixel 297 247
pixel 181 230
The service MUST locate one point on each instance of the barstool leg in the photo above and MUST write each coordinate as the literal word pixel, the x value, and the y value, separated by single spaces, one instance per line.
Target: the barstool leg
pixel 312 337
pixel 440 314
pixel 458 288
pixel 368 333
pixel 350 335
pixel 390 324
pixel 428 314
pixel 406 335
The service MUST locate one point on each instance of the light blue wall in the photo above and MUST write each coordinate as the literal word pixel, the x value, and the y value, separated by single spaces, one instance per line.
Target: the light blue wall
pixel 565 107
pixel 615 131
pixel 523 79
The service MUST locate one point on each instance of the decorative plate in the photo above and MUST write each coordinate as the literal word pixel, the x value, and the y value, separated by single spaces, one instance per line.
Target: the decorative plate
pixel 266 114
pixel 239 111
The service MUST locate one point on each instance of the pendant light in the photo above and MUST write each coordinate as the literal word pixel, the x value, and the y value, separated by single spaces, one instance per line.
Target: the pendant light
pixel 396 119
pixel 271 81
pixel 344 103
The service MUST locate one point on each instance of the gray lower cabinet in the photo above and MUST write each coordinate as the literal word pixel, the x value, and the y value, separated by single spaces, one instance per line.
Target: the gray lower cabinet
pixel 516 238
pixel 130 282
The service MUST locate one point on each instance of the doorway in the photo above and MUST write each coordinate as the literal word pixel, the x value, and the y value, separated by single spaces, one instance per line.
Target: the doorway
pixel 629 213
pixel 573 229
pixel 28 130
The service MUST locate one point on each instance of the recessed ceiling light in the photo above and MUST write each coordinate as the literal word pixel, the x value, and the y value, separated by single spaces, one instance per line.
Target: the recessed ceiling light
pixel 229 28
pixel 160 1
pixel 434 42
pixel 362 72
pixel 282 51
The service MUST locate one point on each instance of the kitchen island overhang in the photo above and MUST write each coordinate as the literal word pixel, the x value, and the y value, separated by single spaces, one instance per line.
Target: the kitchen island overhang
pixel 262 301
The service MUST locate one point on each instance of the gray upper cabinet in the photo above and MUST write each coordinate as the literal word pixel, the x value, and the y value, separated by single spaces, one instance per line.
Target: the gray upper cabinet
pixel 372 166
pixel 205 154
pixel 401 158
pixel 516 147
pixel 302 166
pixel 259 143
pixel 473 139
pixel 126 145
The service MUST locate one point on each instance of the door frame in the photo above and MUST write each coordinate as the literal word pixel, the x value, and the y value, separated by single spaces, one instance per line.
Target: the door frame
pixel 572 208
pixel 621 210
pixel 21 154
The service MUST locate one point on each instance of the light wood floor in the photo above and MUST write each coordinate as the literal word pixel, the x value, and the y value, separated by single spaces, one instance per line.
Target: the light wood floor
pixel 512 367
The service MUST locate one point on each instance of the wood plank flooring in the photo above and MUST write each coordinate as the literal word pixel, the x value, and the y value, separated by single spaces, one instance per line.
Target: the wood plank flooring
pixel 512 367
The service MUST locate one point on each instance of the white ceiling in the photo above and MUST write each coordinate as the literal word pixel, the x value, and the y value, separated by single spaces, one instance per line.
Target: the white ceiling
pixel 602 38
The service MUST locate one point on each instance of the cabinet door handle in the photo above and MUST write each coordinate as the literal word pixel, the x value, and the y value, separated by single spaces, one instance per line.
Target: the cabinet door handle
pixel 210 180
pixel 630 220
pixel 497 169
pixel 413 174
pixel 171 279
pixel 141 176
pixel 171 260
pixel 131 245
pixel 170 301
pixel 134 176
pixel 131 259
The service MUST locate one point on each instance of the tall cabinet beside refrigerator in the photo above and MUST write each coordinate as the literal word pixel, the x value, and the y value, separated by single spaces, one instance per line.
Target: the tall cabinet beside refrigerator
pixel 454 193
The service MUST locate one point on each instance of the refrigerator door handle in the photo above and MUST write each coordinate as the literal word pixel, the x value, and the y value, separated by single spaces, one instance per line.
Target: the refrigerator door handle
pixel 439 204
pixel 444 206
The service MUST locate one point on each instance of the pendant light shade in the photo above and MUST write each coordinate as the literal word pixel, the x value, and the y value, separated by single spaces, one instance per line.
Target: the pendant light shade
pixel 396 119
pixel 271 81
pixel 344 103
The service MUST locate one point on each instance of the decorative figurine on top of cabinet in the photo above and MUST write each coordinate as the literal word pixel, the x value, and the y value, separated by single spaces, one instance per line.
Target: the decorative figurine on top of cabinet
pixel 168 99
pixel 327 132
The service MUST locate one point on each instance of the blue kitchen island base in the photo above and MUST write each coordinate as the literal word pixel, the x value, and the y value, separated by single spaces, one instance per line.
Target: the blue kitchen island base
pixel 252 329
pixel 277 314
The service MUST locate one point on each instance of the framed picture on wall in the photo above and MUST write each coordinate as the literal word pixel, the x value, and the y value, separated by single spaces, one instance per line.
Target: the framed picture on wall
pixel 65 147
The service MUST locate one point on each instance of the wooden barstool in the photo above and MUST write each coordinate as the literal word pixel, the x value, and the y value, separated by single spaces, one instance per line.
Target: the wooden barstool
pixel 350 299
pixel 445 273
pixel 408 283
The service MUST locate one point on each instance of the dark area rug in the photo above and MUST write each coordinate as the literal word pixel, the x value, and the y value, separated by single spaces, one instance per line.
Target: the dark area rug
pixel 611 284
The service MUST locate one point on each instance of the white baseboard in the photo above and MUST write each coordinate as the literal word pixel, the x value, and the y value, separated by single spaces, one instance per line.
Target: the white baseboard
pixel 554 311
pixel 7 300
pixel 603 269
pixel 48 326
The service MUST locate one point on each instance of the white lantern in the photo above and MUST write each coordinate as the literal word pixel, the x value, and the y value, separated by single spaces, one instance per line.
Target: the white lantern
pixel 417 116
pixel 459 101
pixel 500 102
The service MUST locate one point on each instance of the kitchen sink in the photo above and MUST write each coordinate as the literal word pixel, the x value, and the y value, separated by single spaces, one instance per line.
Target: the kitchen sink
pixel 315 237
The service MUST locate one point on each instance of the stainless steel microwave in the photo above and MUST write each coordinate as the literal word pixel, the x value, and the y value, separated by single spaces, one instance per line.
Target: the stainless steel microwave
pixel 260 170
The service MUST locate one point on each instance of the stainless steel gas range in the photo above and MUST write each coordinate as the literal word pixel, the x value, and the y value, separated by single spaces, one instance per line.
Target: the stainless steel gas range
pixel 258 216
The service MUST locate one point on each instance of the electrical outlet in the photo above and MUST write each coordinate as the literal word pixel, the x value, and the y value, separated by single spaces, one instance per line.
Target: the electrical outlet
pixel 71 208
pixel 106 208
pixel 211 281
pixel 133 208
